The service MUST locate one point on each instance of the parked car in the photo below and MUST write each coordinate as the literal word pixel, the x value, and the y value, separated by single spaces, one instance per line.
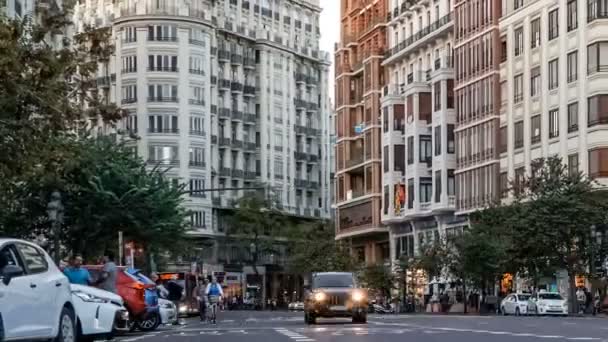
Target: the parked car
pixel 168 311
pixel 335 294
pixel 139 295
pixel 296 306
pixel 548 303
pixel 515 304
pixel 35 296
pixel 99 313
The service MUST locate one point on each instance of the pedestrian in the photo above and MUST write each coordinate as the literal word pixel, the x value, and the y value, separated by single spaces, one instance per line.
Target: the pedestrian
pixel 234 303
pixel 107 280
pixel 75 273
pixel 160 288
pixel 580 299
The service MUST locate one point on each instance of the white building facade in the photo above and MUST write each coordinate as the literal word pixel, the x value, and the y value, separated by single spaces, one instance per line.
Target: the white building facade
pixel 554 87
pixel 225 94
pixel 418 118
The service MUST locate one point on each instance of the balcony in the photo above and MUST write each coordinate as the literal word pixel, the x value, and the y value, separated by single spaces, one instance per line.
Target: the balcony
pixel 154 130
pixel 225 172
pixel 224 84
pixel 196 42
pixel 444 62
pixel 237 144
pixel 162 99
pixel 224 113
pixel 249 90
pixel 213 109
pixel 313 158
pixel 300 78
pixel 312 106
pixel 223 54
pixel 128 100
pixel 236 115
pixel 163 162
pixel 214 139
pixel 249 118
pixel 300 130
pixel 213 79
pixel 249 175
pixel 313 185
pixel 163 69
pixel 199 133
pixel 442 22
pixel 300 104
pixel 249 62
pixel 236 87
pixel 224 142
pixel 236 173
pixel 311 81
pixel 356 160
pixel 216 201
pixel 197 164
pixel 197 72
pixel 301 183
pixel 197 102
pixel 162 39
pixel 302 156
pixel 236 59
pixel 250 146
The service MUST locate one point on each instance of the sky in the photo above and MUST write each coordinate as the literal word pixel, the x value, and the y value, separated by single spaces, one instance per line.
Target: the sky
pixel 330 33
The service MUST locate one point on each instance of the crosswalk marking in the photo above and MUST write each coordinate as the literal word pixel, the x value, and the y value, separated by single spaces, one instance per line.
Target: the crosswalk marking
pixel 294 335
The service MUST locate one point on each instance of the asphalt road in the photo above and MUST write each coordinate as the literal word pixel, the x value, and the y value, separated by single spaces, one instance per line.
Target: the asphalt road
pixel 253 326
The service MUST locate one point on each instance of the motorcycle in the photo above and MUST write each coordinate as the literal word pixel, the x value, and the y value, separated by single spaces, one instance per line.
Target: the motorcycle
pixel 379 309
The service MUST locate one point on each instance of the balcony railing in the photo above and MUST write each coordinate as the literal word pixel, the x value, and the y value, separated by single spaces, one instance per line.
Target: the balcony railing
pixel 162 99
pixel 237 143
pixel 249 175
pixel 236 173
pixel 250 146
pixel 592 69
pixel 224 141
pixel 419 35
pixel 197 163
pixel 444 62
pixel 163 130
pixel 236 115
pixel 162 39
pixel 224 113
pixel 197 72
pixel 164 68
pixel 236 87
pixel 196 102
pixel 197 42
pixel 168 162
pixel 129 100
pixel 356 160
pixel 224 83
pixel 249 118
pixel 300 156
pixel 197 132
pixel 249 90
pixel 225 172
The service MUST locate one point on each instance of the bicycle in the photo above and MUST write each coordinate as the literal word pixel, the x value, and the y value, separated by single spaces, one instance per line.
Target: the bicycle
pixel 212 312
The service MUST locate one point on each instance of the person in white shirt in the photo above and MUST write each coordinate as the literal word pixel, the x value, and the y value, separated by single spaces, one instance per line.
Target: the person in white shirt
pixel 215 293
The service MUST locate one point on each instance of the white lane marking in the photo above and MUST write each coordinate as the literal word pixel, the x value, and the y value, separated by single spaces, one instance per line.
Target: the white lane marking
pixel 136 338
pixel 294 335
pixel 492 332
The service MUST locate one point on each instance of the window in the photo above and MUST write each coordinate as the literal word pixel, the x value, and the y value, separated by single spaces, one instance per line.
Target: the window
pixel 385 159
pixel 504 185
pixel 502 148
pixel 598 163
pixel 162 93
pixel 163 154
pixel 196 125
pixel 162 33
pixel 535 129
pixel 553 123
pixel 503 49
pixel 572 20
pixel 398 159
pixel 198 219
pixel 426 153
pixel 130 34
pixel 33 259
pixel 573 164
pixel 426 190
pixel 573 117
pixel 451 183
pixel 196 187
pixel 450 94
pixel 597 107
pixel 553 74
pixel 437 140
pixel 162 63
pixel 437 95
pixel 197 156
pixel 553 24
pixel 535 33
pixel 129 94
pixel 597 57
pixel 519 180
pixel 129 64
pixel 518 88
pixel 572 66
pixel 451 144
pixel 437 186
pixel 410 150
pixel 410 193
pixel 535 82
pixel 162 124
pixel 517 4
pixel 519 134
pixel 519 41
pixel 132 123
pixel 596 9
pixel 386 203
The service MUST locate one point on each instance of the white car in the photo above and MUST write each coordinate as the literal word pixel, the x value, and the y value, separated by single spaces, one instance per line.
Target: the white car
pixel 35 297
pixel 298 306
pixel 99 313
pixel 548 303
pixel 168 311
pixel 515 304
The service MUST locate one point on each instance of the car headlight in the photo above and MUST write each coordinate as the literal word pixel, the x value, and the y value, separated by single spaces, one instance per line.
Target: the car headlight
pixel 358 296
pixel 88 297
pixel 124 315
pixel 320 296
pixel 183 308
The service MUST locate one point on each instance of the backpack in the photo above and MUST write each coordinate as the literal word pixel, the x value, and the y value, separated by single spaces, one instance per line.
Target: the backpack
pixel 214 290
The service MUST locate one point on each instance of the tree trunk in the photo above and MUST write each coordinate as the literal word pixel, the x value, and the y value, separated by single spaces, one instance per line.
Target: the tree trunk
pixel 572 291
pixel 464 291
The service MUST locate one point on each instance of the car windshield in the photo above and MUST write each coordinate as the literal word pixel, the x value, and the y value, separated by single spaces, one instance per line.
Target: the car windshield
pixel 523 297
pixel 549 296
pixel 334 280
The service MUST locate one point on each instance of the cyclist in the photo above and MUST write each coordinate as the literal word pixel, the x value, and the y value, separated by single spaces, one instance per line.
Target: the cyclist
pixel 214 293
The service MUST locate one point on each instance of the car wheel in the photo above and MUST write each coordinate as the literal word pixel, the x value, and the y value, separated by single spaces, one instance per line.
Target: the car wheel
pixel 149 324
pixel 517 313
pixel 67 328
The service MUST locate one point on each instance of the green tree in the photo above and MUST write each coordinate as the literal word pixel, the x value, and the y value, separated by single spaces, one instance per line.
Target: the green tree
pixel 379 278
pixel 314 249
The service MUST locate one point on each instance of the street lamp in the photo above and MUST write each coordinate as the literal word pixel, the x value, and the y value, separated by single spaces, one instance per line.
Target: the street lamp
pixel 54 210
